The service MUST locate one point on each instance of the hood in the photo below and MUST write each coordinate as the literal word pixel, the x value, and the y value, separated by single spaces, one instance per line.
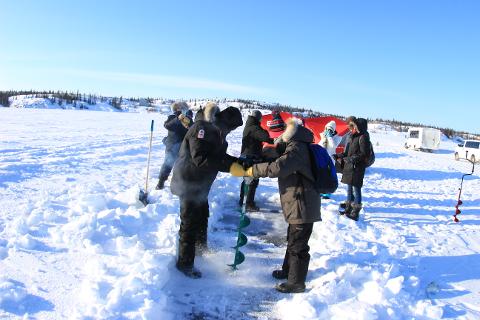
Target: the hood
pixel 251 121
pixel 210 111
pixel 179 106
pixel 230 118
pixel 362 125
pixel 295 131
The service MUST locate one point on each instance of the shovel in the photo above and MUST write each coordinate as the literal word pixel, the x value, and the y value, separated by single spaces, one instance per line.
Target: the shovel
pixel 143 196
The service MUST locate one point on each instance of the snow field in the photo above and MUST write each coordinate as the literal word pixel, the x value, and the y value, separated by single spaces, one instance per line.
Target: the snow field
pixel 76 243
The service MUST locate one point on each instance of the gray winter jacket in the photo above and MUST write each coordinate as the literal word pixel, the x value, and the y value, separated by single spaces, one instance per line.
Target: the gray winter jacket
pixel 300 202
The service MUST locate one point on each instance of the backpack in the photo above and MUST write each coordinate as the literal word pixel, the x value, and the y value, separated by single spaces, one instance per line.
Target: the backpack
pixel 323 170
pixel 371 156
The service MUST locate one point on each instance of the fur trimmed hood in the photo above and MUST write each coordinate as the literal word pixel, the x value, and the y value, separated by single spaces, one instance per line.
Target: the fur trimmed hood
pixel 296 131
pixel 179 106
pixel 210 111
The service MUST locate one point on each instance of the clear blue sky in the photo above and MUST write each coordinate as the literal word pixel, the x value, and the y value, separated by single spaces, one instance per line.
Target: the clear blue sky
pixel 408 60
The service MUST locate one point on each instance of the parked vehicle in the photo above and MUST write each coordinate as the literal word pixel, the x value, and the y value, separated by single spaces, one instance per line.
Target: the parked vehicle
pixel 424 139
pixel 469 149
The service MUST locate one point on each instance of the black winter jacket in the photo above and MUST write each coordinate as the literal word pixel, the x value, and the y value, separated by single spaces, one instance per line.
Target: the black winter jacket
pixel 176 130
pixel 202 155
pixel 356 154
pixel 253 137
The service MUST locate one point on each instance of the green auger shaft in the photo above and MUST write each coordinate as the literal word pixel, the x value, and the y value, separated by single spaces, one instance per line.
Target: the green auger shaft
pixel 241 237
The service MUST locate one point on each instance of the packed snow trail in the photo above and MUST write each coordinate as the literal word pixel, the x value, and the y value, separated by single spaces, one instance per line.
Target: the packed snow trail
pixel 76 243
pixel 222 293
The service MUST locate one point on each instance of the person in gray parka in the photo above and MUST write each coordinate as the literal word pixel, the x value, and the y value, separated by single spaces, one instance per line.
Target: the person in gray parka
pixel 299 199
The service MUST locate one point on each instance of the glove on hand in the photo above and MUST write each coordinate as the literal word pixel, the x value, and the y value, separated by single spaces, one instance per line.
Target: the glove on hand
pixel 245 162
pixel 237 170
pixel 249 172
pixel 184 120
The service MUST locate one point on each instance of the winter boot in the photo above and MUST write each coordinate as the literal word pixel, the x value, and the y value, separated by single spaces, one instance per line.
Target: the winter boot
pixel 354 212
pixel 290 288
pixel 189 271
pixel 280 274
pixel 251 206
pixel 345 207
pixel 160 184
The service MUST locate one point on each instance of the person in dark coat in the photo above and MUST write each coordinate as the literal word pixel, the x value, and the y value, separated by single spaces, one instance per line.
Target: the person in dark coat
pixel 202 155
pixel 199 115
pixel 177 125
pixel 299 199
pixel 252 144
pixel 353 160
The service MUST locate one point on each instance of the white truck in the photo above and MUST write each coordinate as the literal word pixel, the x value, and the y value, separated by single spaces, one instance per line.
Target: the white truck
pixel 469 149
pixel 424 139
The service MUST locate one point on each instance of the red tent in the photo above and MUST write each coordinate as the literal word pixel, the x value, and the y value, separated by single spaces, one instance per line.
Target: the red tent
pixel 316 125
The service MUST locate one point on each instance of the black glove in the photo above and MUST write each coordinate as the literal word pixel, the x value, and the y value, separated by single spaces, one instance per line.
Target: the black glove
pixel 246 162
pixel 335 156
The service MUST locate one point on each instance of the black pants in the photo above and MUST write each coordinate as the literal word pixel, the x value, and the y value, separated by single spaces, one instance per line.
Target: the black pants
pixel 252 188
pixel 193 229
pixel 297 257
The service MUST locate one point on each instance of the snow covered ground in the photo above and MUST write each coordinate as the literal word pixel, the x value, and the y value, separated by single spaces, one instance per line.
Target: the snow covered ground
pixel 75 242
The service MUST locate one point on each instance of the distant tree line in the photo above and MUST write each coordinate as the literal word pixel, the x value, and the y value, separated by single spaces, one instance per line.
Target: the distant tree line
pixel 82 101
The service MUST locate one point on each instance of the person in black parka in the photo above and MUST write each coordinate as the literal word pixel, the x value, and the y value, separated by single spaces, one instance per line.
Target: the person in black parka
pixel 202 155
pixel 252 144
pixel 177 125
pixel 353 161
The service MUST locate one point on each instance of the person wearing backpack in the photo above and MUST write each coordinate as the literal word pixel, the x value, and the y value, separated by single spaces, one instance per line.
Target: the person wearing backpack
pixel 354 162
pixel 299 199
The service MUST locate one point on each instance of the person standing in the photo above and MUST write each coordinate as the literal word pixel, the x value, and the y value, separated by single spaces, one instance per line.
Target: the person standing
pixel 353 161
pixel 328 140
pixel 252 144
pixel 202 155
pixel 299 199
pixel 177 125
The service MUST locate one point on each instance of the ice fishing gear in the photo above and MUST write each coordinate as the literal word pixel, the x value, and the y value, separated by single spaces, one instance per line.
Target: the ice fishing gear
pixel 244 222
pixel 460 202
pixel 143 196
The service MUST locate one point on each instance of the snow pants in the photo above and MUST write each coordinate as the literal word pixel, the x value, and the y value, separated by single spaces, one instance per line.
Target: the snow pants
pixel 193 229
pixel 297 257
pixel 171 155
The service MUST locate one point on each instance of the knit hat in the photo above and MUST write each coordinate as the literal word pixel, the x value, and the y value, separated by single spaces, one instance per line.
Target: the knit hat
pixel 277 123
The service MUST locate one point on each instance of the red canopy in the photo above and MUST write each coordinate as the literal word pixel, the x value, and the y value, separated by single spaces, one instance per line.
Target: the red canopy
pixel 316 124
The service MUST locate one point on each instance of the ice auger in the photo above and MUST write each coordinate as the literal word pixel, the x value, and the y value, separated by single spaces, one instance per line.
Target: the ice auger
pixel 460 202
pixel 244 222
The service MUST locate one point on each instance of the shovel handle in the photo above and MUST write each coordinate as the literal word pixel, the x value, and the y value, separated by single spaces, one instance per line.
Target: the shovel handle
pixel 149 152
